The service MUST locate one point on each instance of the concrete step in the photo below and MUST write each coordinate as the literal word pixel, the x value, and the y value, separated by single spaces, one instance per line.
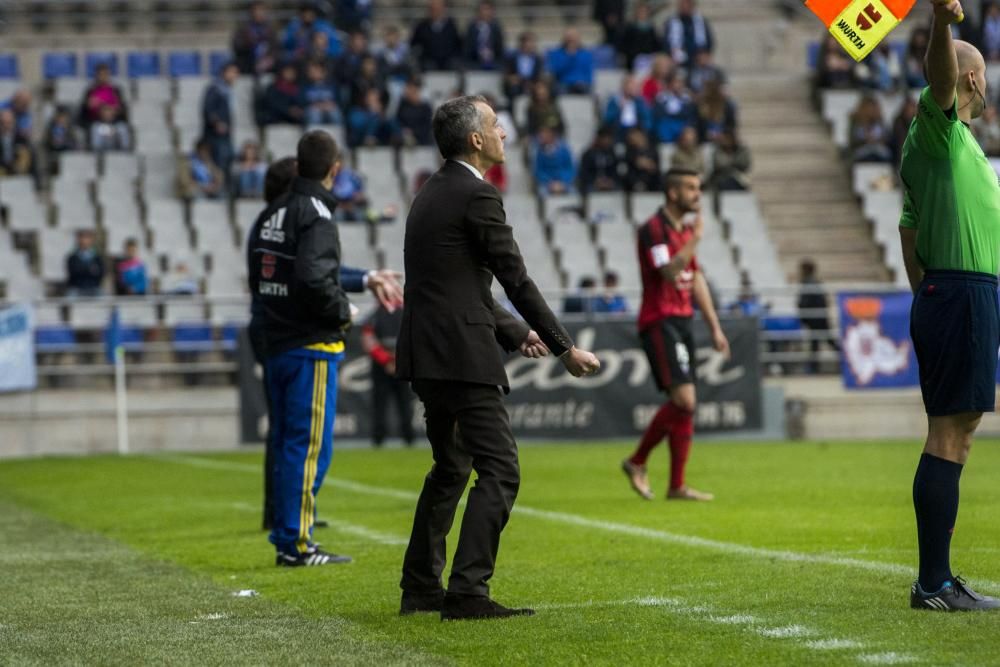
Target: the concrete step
pixel 846 240
pixel 819 191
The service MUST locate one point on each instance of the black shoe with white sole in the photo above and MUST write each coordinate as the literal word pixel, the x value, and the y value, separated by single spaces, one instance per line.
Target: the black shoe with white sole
pixel 311 557
pixel 955 595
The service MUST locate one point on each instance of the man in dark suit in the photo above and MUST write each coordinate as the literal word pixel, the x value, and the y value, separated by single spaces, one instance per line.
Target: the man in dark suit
pixel 457 241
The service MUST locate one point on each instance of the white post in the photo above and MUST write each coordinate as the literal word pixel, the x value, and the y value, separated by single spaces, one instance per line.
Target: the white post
pixel 121 402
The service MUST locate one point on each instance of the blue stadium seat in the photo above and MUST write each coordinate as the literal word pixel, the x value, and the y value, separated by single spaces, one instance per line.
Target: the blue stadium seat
pixel 231 335
pixel 216 59
pixel 55 338
pixel 782 327
pixel 143 64
pixel 59 65
pixel 604 57
pixel 95 58
pixel 812 54
pixel 133 338
pixel 8 66
pixel 193 337
pixel 184 63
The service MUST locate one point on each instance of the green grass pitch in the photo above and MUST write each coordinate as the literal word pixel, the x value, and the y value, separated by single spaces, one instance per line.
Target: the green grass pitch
pixel 805 558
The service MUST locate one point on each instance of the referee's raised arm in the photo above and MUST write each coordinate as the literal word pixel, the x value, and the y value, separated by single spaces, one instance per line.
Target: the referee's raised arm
pixel 941 61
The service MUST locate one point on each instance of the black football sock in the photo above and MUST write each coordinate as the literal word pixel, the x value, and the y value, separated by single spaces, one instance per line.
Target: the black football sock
pixel 935 499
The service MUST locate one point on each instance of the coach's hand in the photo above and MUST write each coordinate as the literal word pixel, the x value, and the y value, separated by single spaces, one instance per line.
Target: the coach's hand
pixel 533 347
pixel 384 284
pixel 580 362
pixel 948 11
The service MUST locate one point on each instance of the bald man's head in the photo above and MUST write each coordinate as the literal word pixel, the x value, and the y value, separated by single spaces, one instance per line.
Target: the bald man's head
pixel 969 58
pixel 971 85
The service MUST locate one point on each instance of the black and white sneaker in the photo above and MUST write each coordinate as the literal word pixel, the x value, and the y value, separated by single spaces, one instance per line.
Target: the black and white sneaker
pixel 955 595
pixel 310 557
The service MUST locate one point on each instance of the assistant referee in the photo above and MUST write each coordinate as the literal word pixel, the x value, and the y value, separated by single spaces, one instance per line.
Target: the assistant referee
pixel 950 233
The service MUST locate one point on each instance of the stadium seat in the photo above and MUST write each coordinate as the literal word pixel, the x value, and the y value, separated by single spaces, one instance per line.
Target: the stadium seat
pixel 246 214
pixel 69 91
pixel 152 90
pixel 605 57
pixel 440 85
pixel 642 205
pixel 554 206
pixel 282 140
pixel 90 314
pixel 24 209
pixel 94 58
pixel 190 90
pixel 210 221
pixel 229 334
pixel 184 63
pixel 55 338
pixel 216 59
pixel 59 65
pixel 132 338
pixel 581 121
pixel 604 208
pixel 120 167
pixel 143 64
pixel 138 313
pixel 607 83
pixel 193 337
pixel 165 220
pixel 9 68
pixel 159 179
pixel 484 83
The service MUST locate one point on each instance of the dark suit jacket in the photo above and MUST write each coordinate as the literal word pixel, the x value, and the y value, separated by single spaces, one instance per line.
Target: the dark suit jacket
pixel 457 240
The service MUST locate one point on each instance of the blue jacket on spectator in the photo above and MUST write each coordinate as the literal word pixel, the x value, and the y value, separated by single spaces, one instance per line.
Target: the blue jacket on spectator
pixel 671 114
pixel 298 37
pixel 363 124
pixel 215 108
pixel 574 72
pixel 554 163
pixel 354 14
pixel 640 117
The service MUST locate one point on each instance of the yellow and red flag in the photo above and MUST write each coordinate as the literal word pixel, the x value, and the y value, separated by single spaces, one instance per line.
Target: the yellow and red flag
pixel 859 25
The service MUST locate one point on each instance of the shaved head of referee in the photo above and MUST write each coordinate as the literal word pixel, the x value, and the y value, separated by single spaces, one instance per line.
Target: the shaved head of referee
pixel 950 233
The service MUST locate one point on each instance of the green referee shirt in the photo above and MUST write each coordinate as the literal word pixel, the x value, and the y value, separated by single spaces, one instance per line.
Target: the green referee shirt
pixel 951 194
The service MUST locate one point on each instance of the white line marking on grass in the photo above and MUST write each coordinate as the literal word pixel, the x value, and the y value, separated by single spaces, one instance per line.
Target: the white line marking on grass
pixel 614 527
pixel 367 533
pixel 213 617
pixel 786 632
pixel 890 658
pixel 735 619
pixel 833 644
pixel 637 602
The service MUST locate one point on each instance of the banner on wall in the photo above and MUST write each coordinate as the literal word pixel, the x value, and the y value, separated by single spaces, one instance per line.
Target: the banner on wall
pixel 875 341
pixel 546 402
pixel 17 349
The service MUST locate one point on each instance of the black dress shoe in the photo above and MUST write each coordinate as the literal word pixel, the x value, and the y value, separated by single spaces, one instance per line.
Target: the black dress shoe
pixel 461 607
pixel 321 523
pixel 416 603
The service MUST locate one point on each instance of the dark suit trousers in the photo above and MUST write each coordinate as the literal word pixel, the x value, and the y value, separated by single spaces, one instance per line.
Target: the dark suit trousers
pixel 469 429
pixel 386 389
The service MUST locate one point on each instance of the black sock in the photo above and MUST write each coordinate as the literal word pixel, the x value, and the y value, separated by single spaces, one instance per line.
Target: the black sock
pixel 935 499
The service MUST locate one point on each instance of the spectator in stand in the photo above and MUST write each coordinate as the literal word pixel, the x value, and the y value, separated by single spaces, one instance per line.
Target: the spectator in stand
pixel 349 189
pixel 659 73
pixel 319 50
pixel 249 172
pixel 524 67
pixel 611 15
pixel 572 65
pixel 687 153
pixel 394 59
pixel 703 71
pixel 730 163
pixel 16 156
pixel 642 163
pixel 612 300
pixel 367 79
pixel 283 98
pixel 435 39
pixel 834 68
pixel 814 312
pixel 180 280
pixel 84 267
pixel 583 299
pixel 107 134
pixel 369 125
pixel 901 127
pixel 913 64
pixel 686 33
pixel 414 116
pixel 348 66
pixel 484 42
pixel 986 129
pixel 255 42
pixel 299 33
pixel 881 70
pixel 102 92
pixel 20 104
pixel 355 15
pixel 554 170
pixel 639 37
pixel 748 303
pixel 599 165
pixel 628 109
pixel 130 271
pixel 990 37
pixel 217 116
pixel 716 111
pixel 60 135
pixel 543 112
pixel 319 96
pixel 673 110
pixel 868 133
pixel 202 179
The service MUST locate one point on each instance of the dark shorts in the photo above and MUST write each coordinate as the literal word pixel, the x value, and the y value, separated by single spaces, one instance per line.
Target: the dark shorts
pixel 955 327
pixel 669 346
